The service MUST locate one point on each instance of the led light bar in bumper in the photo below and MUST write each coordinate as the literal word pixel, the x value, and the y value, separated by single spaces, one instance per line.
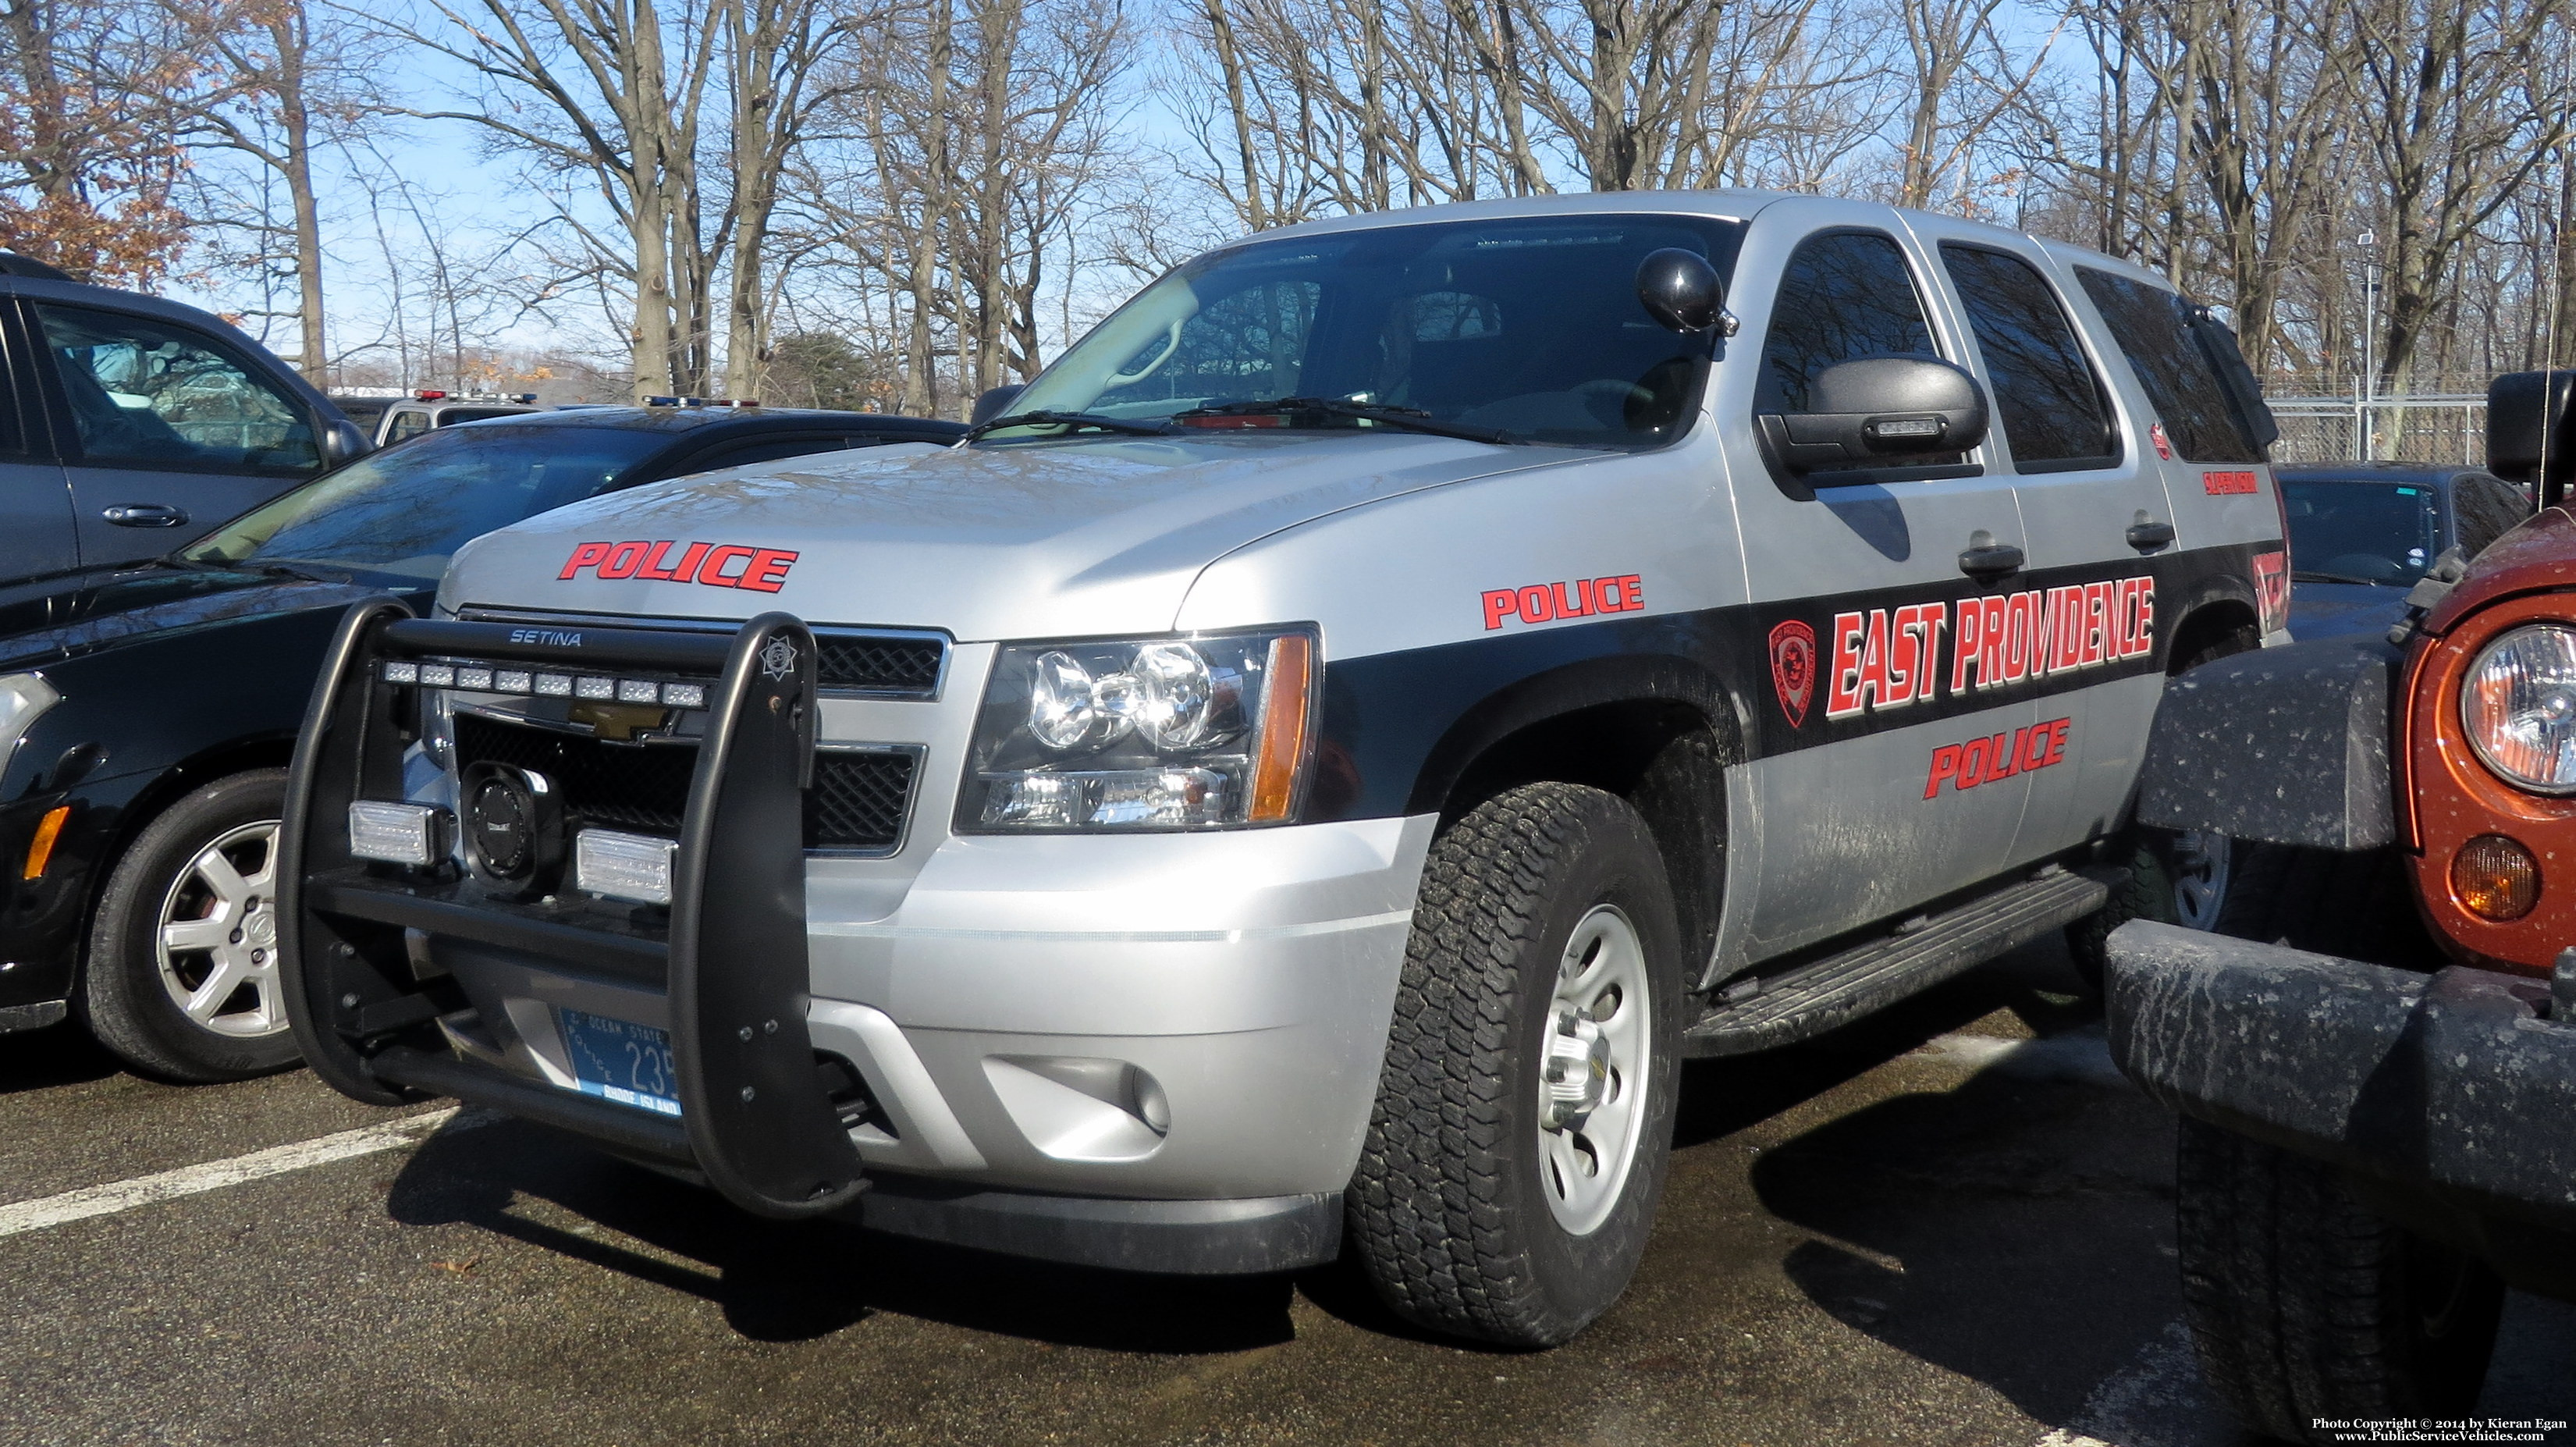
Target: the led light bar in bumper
pixel 632 867
pixel 497 678
pixel 397 833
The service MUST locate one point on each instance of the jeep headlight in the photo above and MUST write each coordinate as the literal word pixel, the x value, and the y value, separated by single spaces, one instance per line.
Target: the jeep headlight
pixel 2518 706
pixel 1167 733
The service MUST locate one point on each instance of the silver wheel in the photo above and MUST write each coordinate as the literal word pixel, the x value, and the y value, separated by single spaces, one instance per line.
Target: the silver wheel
pixel 2200 867
pixel 1592 1080
pixel 216 941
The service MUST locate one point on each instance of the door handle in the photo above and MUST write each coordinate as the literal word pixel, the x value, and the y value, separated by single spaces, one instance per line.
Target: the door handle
pixel 1990 561
pixel 2149 537
pixel 144 515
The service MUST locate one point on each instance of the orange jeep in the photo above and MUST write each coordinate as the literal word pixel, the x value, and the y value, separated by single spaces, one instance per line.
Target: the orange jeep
pixel 2375 1056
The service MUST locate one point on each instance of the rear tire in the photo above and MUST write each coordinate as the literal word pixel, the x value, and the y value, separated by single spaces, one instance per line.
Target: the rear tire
pixel 2179 878
pixel 182 979
pixel 2303 1303
pixel 1495 1198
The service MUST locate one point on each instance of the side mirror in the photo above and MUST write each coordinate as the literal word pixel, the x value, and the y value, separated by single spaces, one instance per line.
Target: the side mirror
pixel 995 402
pixel 1681 290
pixel 1868 411
pixel 2529 433
pixel 341 441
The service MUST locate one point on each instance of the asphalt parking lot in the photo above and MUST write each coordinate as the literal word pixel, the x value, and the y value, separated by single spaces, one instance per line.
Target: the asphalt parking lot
pixel 1949 1225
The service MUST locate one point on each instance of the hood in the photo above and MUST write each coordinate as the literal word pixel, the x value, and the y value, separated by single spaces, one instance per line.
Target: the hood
pixel 64 617
pixel 2537 556
pixel 1024 540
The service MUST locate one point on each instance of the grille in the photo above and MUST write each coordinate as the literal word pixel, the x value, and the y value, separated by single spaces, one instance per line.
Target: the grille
pixel 622 786
pixel 880 665
pixel 858 802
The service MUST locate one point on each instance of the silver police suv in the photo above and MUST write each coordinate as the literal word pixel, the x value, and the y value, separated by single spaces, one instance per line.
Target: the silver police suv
pixel 1308 773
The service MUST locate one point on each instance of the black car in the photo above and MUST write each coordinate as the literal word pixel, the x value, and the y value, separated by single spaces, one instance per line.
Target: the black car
pixel 147 713
pixel 130 425
pixel 2361 533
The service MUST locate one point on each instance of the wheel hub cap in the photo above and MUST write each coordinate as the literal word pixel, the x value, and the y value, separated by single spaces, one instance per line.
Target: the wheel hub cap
pixel 1577 1070
pixel 1594 1071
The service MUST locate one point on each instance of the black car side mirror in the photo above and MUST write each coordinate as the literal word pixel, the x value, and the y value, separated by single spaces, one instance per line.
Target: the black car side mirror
pixel 1680 289
pixel 1867 412
pixel 341 441
pixel 2529 434
pixel 995 401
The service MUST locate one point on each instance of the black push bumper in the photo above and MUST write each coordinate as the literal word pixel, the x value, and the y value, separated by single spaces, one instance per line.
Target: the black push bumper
pixel 728 953
pixel 2454 1093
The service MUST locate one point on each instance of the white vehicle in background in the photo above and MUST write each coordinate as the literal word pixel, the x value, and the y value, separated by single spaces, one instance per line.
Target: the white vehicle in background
pixel 1312 770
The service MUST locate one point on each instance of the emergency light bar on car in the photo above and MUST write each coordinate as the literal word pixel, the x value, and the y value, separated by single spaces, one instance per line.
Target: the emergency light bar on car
pixel 501 678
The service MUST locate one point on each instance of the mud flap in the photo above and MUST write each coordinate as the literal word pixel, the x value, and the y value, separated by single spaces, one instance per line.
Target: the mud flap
pixel 730 955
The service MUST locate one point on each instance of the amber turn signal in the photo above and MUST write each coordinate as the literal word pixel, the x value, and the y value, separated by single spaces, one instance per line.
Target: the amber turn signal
pixel 40 850
pixel 2495 878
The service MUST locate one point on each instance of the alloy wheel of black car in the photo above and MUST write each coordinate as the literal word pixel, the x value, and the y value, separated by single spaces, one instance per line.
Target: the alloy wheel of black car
pixel 182 974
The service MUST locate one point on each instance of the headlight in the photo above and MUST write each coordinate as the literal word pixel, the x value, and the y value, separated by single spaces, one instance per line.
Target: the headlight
pixel 23 698
pixel 1196 733
pixel 2518 706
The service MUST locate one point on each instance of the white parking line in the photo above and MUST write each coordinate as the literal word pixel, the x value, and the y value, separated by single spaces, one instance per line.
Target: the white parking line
pixel 117 1196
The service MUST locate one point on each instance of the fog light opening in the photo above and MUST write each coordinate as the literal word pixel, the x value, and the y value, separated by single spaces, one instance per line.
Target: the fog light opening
pixel 2495 878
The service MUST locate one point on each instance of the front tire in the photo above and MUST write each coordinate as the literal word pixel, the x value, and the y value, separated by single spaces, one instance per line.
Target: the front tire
pixel 182 977
pixel 1524 1115
pixel 2305 1304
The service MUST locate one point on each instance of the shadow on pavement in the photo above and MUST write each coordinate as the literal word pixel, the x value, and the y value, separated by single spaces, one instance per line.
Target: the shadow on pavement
pixel 2015 1230
pixel 795 1281
pixel 56 1055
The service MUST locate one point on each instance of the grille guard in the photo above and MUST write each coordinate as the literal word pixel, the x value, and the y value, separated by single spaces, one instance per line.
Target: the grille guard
pixel 754 1116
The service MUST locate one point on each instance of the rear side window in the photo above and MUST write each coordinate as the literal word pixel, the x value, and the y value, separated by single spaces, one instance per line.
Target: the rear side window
pixel 2154 329
pixel 2054 413
pixel 2487 509
pixel 1845 295
pixel 407 425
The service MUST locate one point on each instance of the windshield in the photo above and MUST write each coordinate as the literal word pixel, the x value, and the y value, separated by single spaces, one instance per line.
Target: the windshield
pixel 1529 327
pixel 404 510
pixel 2361 532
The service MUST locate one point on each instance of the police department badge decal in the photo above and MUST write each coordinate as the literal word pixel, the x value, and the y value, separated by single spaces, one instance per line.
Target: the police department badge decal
pixel 778 659
pixel 1793 669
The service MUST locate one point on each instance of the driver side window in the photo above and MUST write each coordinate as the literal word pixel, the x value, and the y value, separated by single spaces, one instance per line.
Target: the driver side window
pixel 145 393
pixel 1844 295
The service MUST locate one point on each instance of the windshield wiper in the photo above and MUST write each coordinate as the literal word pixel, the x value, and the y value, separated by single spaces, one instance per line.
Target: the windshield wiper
pixel 1044 418
pixel 1410 419
pixel 2305 576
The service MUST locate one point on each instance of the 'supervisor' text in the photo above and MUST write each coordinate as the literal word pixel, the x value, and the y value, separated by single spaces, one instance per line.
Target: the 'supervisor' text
pixel 1889 658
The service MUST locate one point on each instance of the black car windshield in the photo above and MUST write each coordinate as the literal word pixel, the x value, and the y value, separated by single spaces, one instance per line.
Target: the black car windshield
pixel 1526 327
pixel 402 511
pixel 2361 532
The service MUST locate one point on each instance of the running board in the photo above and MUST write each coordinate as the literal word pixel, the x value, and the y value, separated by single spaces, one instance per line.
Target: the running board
pixel 1760 1013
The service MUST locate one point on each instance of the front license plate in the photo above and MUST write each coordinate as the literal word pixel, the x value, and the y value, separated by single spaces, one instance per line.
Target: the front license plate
pixel 615 1060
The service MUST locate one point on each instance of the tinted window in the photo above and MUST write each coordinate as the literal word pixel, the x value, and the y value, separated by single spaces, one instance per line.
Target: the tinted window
pixel 402 511
pixel 2360 532
pixel 407 425
pixel 2154 330
pixel 2486 509
pixel 1845 295
pixel 1531 327
pixel 454 415
pixel 148 394
pixel 2046 395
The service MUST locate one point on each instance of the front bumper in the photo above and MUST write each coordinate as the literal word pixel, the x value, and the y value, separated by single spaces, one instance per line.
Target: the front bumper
pixel 2452 1095
pixel 1150 1051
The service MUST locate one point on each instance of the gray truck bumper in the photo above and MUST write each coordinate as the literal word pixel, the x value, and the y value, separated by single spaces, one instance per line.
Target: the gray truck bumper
pixel 2452 1095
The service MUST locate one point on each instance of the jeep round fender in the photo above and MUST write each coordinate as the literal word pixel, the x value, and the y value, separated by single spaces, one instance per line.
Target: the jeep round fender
pixel 2289 745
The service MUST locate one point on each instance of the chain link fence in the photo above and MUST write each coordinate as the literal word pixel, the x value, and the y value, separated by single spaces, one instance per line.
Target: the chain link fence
pixel 2445 426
